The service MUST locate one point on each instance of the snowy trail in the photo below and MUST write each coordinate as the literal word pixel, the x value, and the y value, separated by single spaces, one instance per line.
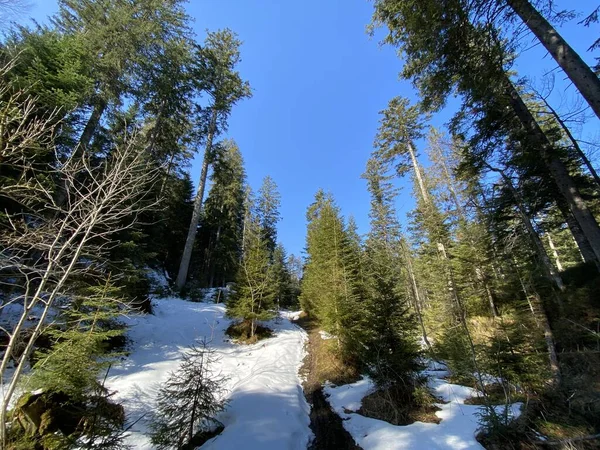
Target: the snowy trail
pixel 456 431
pixel 267 408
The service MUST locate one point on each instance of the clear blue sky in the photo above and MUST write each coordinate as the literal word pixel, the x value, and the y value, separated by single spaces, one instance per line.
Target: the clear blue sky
pixel 319 82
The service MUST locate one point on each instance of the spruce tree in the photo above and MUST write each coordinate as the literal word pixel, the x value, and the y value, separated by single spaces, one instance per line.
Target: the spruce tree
pixel 188 401
pixel 330 289
pixel 392 347
pixel 267 209
pixel 254 295
pixel 219 243
pixel 218 78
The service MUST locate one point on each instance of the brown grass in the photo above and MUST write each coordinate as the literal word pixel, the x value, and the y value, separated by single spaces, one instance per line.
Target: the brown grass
pixel 495 396
pixel 323 362
pixel 399 405
pixel 240 332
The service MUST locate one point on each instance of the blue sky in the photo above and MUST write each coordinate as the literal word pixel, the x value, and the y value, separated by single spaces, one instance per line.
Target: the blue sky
pixel 318 84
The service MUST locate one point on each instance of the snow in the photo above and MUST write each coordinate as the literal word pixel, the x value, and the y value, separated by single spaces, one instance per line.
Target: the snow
pixel 267 408
pixel 325 335
pixel 456 430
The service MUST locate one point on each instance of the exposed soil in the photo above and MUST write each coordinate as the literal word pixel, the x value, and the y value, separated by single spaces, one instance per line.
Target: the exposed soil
pixel 317 368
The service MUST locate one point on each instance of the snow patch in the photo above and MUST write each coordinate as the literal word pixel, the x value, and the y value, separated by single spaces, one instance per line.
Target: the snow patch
pixel 325 335
pixel 290 315
pixel 456 431
pixel 267 408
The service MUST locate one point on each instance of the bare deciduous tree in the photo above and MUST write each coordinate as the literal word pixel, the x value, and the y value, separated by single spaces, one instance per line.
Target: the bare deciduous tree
pixel 45 243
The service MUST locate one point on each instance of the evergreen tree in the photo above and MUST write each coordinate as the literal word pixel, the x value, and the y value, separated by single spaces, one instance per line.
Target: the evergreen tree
pixel 476 61
pixel 115 35
pixel 330 291
pixel 286 291
pixel 219 243
pixel 392 347
pixel 215 70
pixel 189 401
pixel 254 295
pixel 267 209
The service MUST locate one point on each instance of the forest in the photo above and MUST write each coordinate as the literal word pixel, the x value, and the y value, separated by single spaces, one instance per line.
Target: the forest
pixel 494 275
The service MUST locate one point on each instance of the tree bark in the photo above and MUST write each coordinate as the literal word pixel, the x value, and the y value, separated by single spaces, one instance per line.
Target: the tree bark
pixel 191 237
pixel 549 270
pixel 586 161
pixel 567 58
pixel 416 295
pixel 585 249
pixel 557 169
pixel 417 169
pixel 542 321
pixel 559 266
pixel 91 126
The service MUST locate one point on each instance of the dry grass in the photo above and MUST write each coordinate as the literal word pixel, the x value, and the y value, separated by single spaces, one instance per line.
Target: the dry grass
pixel 323 362
pixel 496 395
pixel 400 406
pixel 240 332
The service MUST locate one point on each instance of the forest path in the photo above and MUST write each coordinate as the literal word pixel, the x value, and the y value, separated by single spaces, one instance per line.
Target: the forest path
pixel 266 405
pixel 326 425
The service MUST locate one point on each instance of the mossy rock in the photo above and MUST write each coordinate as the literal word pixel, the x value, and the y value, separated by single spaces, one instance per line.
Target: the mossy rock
pixel 52 417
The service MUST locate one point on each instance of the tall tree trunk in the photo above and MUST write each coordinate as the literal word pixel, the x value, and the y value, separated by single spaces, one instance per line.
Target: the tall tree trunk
pixel 480 272
pixel 416 295
pixel 586 161
pixel 549 270
pixel 585 249
pixel 554 252
pixel 91 126
pixel 557 169
pixel 541 319
pixel 417 170
pixel 440 245
pixel 582 76
pixel 189 242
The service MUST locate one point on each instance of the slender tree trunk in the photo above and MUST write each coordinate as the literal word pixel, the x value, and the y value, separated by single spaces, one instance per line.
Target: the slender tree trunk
pixel 416 295
pixel 541 319
pixel 557 169
pixel 554 253
pixel 91 126
pixel 462 313
pixel 567 58
pixel 574 142
pixel 585 249
pixel 549 270
pixel 482 278
pixel 417 170
pixel 480 272
pixel 440 245
pixel 189 242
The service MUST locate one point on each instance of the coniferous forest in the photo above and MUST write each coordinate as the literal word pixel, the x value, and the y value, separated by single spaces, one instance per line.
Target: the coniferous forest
pixel 490 285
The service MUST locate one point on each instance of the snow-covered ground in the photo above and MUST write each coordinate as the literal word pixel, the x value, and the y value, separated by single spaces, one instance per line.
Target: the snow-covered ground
pixel 456 431
pixel 267 408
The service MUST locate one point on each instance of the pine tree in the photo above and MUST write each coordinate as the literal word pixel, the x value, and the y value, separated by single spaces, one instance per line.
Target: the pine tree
pixel 286 293
pixel 267 209
pixel 114 59
pixel 219 243
pixel 215 70
pixel 188 401
pixel 330 290
pixel 253 298
pixel 392 347
pixel 476 61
